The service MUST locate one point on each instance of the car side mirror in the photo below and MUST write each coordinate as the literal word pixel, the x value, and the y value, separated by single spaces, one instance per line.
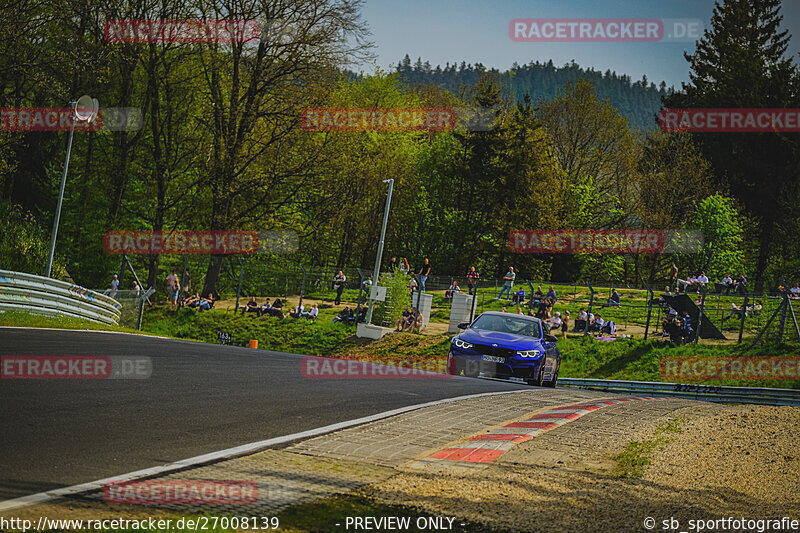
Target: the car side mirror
pixel 550 338
pixel 463 325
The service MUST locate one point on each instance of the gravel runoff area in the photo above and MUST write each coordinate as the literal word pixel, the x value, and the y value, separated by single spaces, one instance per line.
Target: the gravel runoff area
pixel 728 461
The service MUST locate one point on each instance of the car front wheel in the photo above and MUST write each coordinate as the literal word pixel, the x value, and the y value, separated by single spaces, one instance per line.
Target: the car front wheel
pixel 555 378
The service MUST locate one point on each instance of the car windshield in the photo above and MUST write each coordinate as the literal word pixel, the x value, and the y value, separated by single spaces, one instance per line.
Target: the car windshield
pixel 508 324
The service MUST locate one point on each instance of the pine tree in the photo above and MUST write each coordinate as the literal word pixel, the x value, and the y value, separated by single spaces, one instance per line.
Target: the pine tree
pixel 741 62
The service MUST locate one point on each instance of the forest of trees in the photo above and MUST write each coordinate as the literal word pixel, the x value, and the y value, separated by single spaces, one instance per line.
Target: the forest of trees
pixel 638 101
pixel 221 148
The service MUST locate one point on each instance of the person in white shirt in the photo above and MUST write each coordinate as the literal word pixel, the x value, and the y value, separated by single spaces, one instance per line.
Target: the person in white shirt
pixel 114 286
pixel 702 280
pixel 795 291
pixel 582 315
pixel 555 322
pixel 454 288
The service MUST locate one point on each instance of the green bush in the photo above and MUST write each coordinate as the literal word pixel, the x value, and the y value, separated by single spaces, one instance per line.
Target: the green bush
pixel 389 311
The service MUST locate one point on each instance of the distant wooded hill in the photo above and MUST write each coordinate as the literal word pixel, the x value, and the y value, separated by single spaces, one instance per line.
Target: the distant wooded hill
pixel 637 101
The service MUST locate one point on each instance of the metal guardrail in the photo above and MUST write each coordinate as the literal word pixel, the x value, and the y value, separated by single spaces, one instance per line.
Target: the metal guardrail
pixel 45 296
pixel 708 393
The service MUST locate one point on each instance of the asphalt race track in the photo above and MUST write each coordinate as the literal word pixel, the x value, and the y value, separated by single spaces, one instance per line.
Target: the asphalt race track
pixel 200 398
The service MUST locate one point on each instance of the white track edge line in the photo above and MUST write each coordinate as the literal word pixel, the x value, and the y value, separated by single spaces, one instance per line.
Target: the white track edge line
pixel 230 453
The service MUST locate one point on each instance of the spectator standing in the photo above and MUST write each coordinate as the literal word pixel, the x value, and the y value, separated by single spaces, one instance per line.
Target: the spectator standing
pixel 472 280
pixel 137 290
pixel 114 286
pixel 366 286
pixel 740 284
pixel 508 284
pixel 673 275
pixel 412 286
pixel 404 266
pixel 565 325
pixel 393 265
pixel 424 272
pixel 187 281
pixel 172 281
pixel 338 284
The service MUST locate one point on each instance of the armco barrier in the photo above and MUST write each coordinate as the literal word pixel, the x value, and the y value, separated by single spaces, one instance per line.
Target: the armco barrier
pixel 45 296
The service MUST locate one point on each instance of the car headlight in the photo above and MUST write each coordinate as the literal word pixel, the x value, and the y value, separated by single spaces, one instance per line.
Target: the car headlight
pixel 458 343
pixel 529 353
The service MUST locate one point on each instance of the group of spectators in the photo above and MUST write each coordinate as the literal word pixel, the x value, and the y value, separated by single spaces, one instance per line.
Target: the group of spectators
pixel 276 309
pixel 698 282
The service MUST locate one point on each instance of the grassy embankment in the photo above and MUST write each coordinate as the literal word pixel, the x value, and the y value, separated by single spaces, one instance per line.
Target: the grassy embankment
pixel 583 357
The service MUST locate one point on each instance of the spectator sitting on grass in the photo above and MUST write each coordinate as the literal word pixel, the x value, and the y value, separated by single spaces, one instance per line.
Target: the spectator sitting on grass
pixel 519 310
pixel 311 313
pixel 252 307
pixel 205 304
pixel 412 286
pixel 794 292
pixel 683 284
pixel 597 323
pixel 726 284
pixel 405 317
pixel 518 297
pixel 537 296
pixel 582 314
pixel 295 312
pixel 555 322
pixel 503 309
pixel 416 320
pixel 552 294
pixel 345 315
pixel 192 301
pixel 737 309
pixel 613 301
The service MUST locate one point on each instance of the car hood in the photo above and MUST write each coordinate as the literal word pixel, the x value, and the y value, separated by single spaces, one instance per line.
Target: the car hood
pixel 502 340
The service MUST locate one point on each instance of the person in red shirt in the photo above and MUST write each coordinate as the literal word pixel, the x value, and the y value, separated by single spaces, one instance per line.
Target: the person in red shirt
pixel 472 280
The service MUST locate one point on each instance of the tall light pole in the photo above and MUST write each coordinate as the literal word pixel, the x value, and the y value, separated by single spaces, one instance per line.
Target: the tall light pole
pixel 85 109
pixel 377 272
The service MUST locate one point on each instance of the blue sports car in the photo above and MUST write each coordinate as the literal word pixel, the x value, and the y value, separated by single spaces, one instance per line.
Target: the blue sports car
pixel 505 345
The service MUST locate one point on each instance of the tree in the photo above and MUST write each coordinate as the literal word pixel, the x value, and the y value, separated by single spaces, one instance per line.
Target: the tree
pixel 741 62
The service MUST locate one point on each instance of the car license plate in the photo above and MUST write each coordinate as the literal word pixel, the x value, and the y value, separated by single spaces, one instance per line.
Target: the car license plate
pixel 494 359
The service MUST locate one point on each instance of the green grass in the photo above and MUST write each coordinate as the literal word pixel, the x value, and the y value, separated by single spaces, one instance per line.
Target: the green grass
pixel 28 320
pixel 639 360
pixel 637 455
pixel 310 337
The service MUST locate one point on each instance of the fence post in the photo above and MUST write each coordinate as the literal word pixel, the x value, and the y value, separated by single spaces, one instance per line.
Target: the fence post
pixel 589 310
pixel 741 322
pixel 239 289
pixel 649 310
pixel 700 315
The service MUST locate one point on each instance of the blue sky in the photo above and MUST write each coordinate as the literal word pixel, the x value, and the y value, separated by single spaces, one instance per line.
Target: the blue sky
pixel 477 31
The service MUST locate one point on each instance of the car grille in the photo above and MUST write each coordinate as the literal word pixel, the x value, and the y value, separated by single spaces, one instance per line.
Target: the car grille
pixel 487 349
